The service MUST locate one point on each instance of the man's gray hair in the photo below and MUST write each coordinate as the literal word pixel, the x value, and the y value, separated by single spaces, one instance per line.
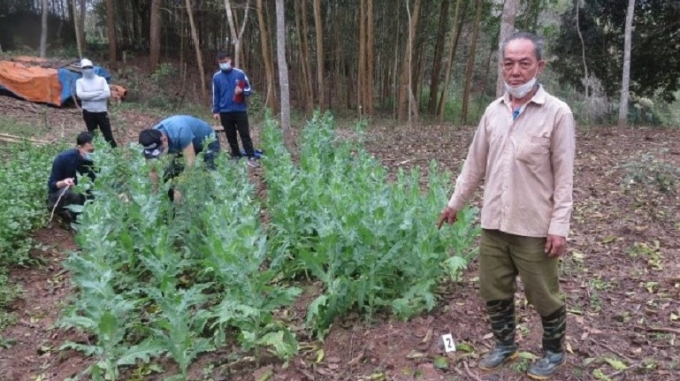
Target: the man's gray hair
pixel 537 41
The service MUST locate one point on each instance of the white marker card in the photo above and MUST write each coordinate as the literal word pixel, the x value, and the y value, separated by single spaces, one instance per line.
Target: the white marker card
pixel 449 345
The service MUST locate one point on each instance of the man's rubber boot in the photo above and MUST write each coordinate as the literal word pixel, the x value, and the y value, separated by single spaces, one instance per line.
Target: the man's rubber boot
pixel 502 318
pixel 554 329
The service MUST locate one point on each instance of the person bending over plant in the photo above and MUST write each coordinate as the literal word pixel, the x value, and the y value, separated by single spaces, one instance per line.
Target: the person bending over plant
pixel 182 136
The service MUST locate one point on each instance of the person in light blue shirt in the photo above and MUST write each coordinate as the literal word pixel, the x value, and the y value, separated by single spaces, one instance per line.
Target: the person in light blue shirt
pixel 181 136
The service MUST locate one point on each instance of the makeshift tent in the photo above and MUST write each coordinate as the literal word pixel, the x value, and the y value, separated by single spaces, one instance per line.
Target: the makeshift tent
pixel 35 80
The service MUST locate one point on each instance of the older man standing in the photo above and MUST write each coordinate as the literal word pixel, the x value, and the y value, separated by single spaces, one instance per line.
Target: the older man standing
pixel 524 151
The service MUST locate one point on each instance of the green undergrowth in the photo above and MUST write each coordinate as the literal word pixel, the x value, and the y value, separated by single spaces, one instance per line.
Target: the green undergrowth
pixel 23 175
pixel 371 242
pixel 161 279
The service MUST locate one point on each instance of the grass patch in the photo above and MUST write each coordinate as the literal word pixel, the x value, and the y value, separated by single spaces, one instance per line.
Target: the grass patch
pixel 12 126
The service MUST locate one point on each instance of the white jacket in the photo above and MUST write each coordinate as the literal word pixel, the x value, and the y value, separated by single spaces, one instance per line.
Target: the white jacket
pixel 93 92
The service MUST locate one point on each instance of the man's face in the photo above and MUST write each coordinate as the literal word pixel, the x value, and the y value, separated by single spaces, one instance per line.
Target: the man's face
pixel 519 62
pixel 224 60
pixel 85 149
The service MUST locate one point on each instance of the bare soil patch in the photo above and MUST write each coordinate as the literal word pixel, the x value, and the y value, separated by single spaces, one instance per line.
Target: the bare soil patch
pixel 34 339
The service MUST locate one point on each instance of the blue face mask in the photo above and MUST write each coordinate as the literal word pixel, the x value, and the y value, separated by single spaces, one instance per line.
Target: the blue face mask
pixel 88 73
pixel 226 66
pixel 88 156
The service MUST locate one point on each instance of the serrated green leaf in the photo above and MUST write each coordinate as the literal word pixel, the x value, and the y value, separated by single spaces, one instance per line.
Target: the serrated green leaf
pixel 527 355
pixel 320 355
pixel 465 347
pixel 108 325
pixel 599 375
pixel 283 342
pixel 616 364
pixel 142 352
pixel 441 362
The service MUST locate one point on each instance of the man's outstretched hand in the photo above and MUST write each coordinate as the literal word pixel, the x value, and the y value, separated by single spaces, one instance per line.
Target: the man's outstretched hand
pixel 448 215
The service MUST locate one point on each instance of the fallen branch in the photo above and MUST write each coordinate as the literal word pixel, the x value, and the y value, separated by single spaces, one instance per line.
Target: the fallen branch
pixel 619 372
pixel 14 140
pixel 614 351
pixel 18 139
pixel 469 372
pixel 663 329
pixel 63 191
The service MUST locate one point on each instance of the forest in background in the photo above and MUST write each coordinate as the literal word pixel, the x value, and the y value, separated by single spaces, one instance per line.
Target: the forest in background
pixel 397 59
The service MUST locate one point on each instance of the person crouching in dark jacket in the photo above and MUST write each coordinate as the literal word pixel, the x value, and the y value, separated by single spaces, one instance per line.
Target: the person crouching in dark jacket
pixel 66 167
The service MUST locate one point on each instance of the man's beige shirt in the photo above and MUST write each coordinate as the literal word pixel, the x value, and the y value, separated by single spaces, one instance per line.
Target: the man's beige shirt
pixel 527 166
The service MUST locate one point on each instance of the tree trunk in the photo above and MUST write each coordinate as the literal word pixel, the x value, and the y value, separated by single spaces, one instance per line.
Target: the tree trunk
pixel 79 36
pixel 485 81
pixel 111 31
pixel 370 57
pixel 155 36
pixel 456 29
pixel 283 76
pixel 406 85
pixel 81 19
pixel 239 38
pixel 123 21
pixel 586 77
pixel 144 14
pixel 625 81
pixel 304 96
pixel 507 28
pixel 361 72
pixel 437 60
pixel 182 43
pixel 319 52
pixel 306 59
pixel 271 100
pixel 199 57
pixel 233 37
pixel 43 32
pixel 470 71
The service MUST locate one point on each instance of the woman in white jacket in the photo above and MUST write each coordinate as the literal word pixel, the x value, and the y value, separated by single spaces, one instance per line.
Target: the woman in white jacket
pixel 93 91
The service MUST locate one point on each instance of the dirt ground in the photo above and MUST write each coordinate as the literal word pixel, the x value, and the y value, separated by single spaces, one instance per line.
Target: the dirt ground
pixel 621 277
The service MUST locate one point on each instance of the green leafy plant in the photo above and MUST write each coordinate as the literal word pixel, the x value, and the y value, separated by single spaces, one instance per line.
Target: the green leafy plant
pixel 23 197
pixel 156 277
pixel 372 243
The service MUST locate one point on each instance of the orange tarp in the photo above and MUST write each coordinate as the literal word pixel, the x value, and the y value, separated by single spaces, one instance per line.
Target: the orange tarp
pixel 118 92
pixel 33 83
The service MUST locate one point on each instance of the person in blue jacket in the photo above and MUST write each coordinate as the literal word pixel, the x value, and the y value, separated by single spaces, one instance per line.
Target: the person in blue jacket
pixel 230 89
pixel 182 136
pixel 64 176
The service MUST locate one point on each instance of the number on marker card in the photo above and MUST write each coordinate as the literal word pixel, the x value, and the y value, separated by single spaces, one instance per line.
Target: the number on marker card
pixel 449 345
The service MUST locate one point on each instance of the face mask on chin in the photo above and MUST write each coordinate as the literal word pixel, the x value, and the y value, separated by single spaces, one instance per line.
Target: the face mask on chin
pixel 522 90
pixel 225 66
